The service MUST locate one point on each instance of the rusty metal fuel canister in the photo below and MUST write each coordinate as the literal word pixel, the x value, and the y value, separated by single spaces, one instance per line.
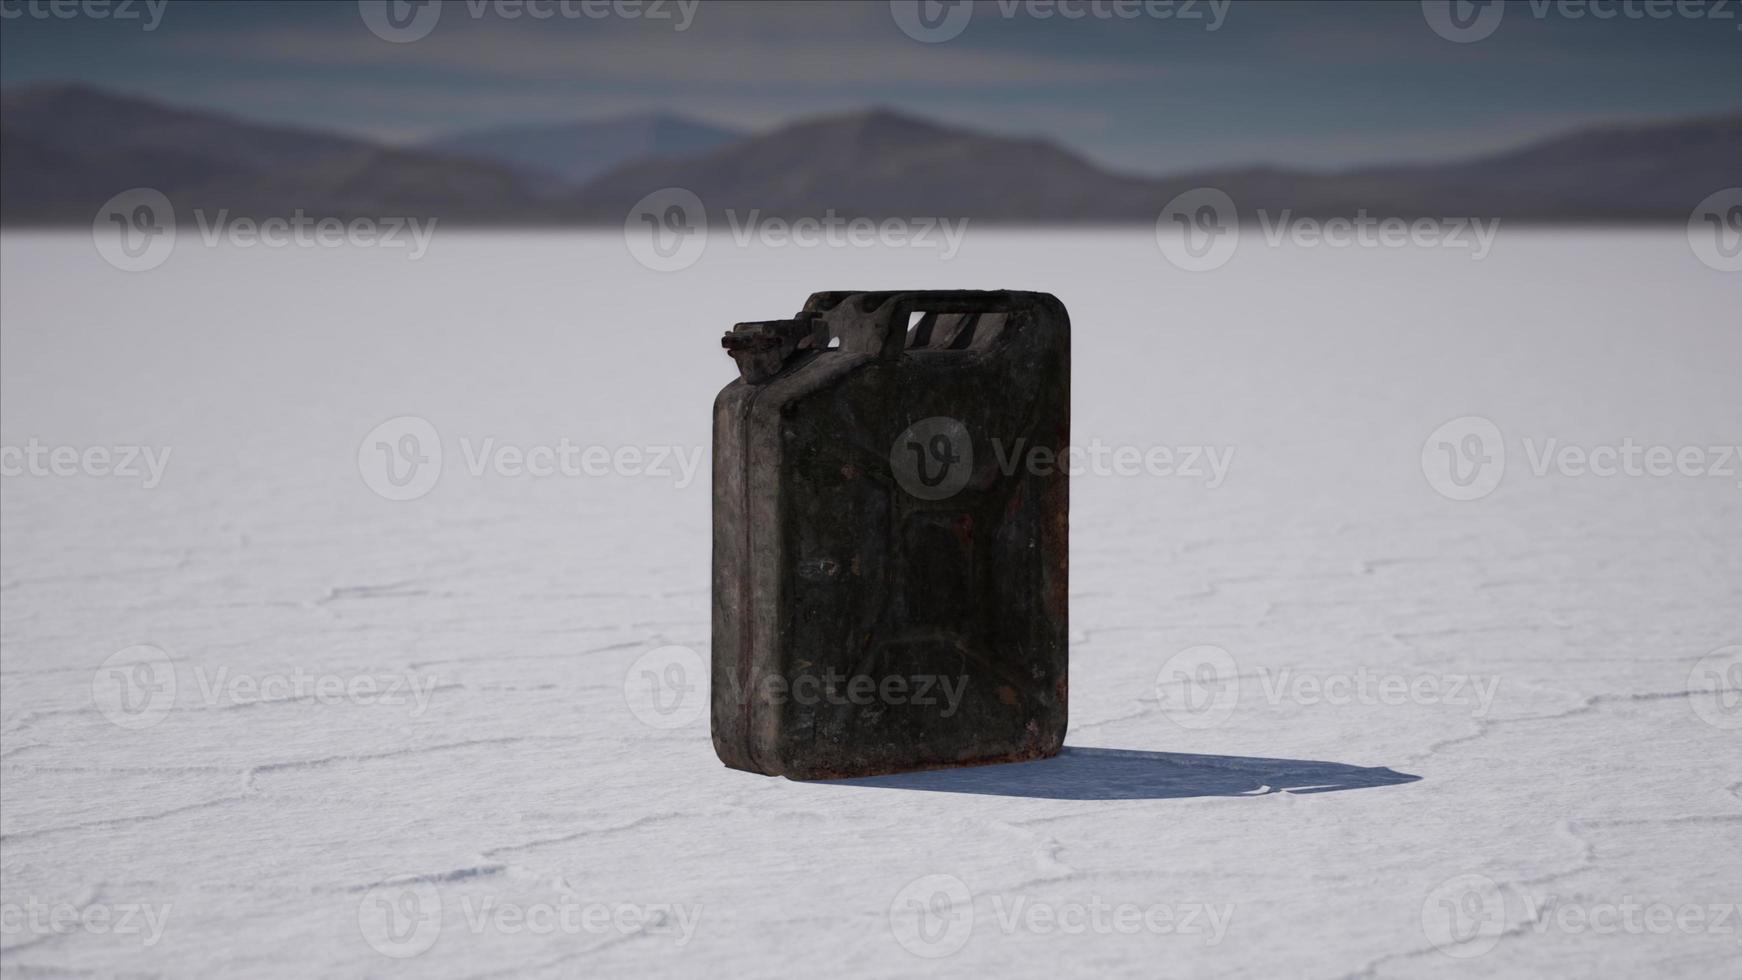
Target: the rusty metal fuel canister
pixel 890 535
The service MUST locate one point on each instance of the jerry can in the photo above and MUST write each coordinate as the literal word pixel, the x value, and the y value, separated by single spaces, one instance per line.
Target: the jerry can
pixel 890 535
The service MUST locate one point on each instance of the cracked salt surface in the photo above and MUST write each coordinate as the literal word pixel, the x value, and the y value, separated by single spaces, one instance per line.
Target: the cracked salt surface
pixel 521 820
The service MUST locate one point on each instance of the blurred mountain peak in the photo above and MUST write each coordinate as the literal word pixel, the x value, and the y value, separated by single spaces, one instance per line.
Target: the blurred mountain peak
pixel 577 150
pixel 876 125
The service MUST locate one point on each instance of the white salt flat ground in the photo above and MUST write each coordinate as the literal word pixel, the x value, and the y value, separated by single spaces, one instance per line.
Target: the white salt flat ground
pixel 523 821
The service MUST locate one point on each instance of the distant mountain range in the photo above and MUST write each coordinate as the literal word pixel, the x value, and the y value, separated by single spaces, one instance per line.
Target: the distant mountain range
pixel 575 152
pixel 64 150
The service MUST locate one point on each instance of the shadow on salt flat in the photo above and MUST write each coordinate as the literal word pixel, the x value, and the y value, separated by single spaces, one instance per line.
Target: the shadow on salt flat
pixel 1124 774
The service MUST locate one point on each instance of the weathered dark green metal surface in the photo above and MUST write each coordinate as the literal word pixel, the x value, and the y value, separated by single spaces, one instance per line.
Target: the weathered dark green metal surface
pixel 890 535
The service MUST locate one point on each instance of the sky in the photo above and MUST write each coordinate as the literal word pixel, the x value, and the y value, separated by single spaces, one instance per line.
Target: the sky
pixel 1142 87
